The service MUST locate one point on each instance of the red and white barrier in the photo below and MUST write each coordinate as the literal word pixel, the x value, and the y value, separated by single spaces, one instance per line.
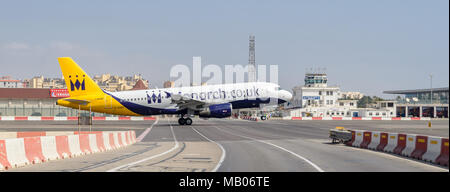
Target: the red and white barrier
pixel 427 148
pixel 48 145
pixel 375 141
pixel 16 152
pixel 401 144
pixel 362 118
pixel 367 137
pixel 358 138
pixel 433 149
pixel 442 159
pixel 249 118
pixel 421 147
pixel 383 142
pixel 410 145
pixel 52 118
pixel 392 141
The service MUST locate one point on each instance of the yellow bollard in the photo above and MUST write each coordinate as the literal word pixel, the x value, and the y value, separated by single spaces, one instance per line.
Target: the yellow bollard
pixel 429 123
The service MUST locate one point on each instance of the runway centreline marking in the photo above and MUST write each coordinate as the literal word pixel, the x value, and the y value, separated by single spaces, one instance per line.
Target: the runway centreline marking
pixel 139 139
pixel 271 144
pixel 152 157
pixel 222 157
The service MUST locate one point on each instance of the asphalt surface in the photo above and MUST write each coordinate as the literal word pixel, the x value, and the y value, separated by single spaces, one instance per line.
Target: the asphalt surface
pixel 237 146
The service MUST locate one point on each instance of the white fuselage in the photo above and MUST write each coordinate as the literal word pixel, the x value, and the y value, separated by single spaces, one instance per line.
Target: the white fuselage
pixel 240 94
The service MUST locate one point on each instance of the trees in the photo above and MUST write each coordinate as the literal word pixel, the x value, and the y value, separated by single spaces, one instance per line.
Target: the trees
pixel 362 103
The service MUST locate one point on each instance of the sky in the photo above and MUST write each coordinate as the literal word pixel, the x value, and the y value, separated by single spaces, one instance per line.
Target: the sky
pixel 365 45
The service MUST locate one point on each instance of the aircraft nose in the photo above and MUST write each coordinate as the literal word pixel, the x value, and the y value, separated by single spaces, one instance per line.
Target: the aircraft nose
pixel 285 95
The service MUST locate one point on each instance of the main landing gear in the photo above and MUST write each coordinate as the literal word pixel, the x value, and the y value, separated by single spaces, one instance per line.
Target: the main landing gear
pixel 185 121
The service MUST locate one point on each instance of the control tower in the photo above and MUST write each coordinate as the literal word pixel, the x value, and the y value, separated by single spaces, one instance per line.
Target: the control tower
pixel 316 80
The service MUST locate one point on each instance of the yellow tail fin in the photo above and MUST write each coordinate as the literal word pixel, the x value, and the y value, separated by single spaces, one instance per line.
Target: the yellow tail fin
pixel 77 81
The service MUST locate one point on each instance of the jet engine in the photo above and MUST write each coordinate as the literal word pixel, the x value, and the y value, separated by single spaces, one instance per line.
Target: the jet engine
pixel 217 111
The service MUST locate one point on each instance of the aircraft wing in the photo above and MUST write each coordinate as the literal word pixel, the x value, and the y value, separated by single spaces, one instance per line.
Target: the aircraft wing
pixel 186 102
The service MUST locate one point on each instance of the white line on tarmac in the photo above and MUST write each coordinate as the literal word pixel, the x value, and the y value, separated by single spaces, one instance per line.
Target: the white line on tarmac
pixel 265 142
pixel 152 157
pixel 221 147
pixel 139 139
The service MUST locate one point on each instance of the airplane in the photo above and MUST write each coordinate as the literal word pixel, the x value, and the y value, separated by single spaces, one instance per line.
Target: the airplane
pixel 206 101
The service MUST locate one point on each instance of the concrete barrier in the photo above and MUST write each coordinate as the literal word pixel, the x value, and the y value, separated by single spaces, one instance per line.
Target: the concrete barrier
pixel 100 142
pixel 383 142
pixel 350 143
pixel 401 144
pixel 358 138
pixel 93 145
pixel 434 145
pixel 410 145
pixel 33 149
pixel 107 141
pixel 442 159
pixel 120 139
pixel 112 141
pixel 392 140
pixel 62 146
pixel 74 145
pixel 375 140
pixel 15 152
pixel 367 137
pixel 428 148
pixel 48 146
pixel 85 145
pixel 54 118
pixel 421 147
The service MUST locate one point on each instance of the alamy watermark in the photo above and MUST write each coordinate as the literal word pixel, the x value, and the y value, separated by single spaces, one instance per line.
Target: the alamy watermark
pixel 212 74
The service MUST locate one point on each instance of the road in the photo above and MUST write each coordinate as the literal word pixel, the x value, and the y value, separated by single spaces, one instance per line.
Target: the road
pixel 236 146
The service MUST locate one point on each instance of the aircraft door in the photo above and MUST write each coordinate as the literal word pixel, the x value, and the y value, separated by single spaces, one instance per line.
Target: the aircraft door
pixel 108 101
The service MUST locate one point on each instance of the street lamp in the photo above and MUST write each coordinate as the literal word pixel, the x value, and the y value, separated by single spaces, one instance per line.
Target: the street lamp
pixel 431 89
pixel 431 98
pixel 406 108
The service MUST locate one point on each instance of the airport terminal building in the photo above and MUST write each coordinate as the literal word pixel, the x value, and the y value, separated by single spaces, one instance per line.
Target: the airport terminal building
pixel 316 99
pixel 418 103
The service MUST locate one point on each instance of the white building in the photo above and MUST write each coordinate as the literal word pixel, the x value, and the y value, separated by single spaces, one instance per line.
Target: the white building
pixel 351 95
pixel 315 92
pixel 8 82
pixel 317 99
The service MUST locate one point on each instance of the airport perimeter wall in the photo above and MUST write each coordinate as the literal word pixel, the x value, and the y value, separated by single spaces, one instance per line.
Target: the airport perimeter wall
pixel 24 148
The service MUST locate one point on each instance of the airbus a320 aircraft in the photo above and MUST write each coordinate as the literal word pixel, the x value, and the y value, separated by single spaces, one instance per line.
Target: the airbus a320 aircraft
pixel 208 101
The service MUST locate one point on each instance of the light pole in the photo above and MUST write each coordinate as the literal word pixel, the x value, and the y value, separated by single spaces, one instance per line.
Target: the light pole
pixel 431 98
pixel 431 89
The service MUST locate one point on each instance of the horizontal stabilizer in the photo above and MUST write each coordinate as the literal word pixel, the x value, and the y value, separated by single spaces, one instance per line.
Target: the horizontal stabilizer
pixel 77 101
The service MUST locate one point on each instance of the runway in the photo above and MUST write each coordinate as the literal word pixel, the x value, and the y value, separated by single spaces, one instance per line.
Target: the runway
pixel 235 146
